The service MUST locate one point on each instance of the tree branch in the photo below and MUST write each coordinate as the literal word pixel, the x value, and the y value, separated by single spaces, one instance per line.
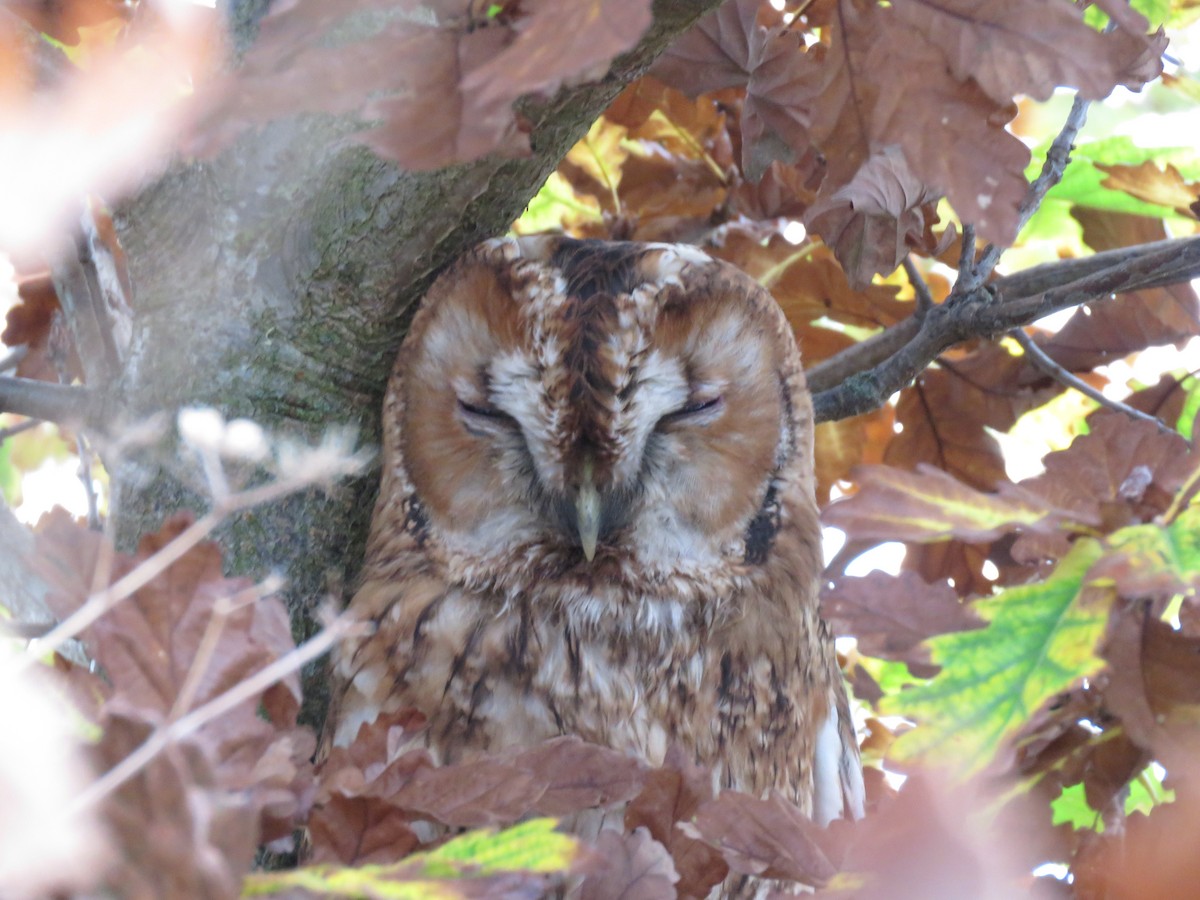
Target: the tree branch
pixel 920 288
pixel 1046 365
pixel 862 377
pixel 44 400
pixel 990 310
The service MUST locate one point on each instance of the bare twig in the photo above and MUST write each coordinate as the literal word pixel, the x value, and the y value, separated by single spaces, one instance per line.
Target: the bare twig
pixel 67 405
pixel 1048 366
pixel 920 288
pixel 1057 158
pixel 102 601
pixel 829 373
pixel 1028 283
pixel 223 608
pixel 242 692
pixel 13 358
pixel 966 256
pixel 6 433
pixel 848 373
pixel 89 487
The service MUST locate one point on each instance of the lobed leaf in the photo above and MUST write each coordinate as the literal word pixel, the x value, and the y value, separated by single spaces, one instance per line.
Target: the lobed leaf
pixel 634 867
pixel 891 615
pixel 1040 639
pixel 515 862
pixel 930 505
pixel 767 837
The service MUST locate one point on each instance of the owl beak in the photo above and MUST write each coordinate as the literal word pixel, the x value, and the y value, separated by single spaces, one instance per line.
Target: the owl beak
pixel 587 510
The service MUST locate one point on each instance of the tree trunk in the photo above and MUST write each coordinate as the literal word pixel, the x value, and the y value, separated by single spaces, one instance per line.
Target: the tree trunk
pixel 274 282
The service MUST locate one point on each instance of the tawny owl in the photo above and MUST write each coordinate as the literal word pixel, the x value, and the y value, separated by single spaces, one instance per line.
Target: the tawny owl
pixel 597 518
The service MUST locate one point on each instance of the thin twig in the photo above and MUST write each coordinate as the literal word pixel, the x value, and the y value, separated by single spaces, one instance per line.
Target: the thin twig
pixel 919 286
pixel 89 487
pixel 6 433
pixel 223 608
pixel 1171 262
pixel 240 693
pixel 101 602
pixel 13 358
pixel 966 257
pixel 1057 158
pixel 1048 366
pixel 829 373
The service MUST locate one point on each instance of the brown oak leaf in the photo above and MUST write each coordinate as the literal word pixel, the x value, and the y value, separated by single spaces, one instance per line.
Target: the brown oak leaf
pixel 672 794
pixel 892 615
pixel 768 838
pixel 632 867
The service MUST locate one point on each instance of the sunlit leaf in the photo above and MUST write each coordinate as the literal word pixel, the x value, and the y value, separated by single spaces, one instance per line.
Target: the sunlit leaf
pixel 1040 640
pixel 1150 560
pixel 1083 182
pixel 1071 807
pixel 482 859
pixel 929 505
pixel 557 206
pixel 1191 405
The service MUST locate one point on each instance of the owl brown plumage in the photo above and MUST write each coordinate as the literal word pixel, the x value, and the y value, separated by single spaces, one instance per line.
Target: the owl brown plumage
pixel 597 518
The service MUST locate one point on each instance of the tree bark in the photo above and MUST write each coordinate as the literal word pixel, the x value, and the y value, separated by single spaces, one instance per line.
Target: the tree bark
pixel 275 282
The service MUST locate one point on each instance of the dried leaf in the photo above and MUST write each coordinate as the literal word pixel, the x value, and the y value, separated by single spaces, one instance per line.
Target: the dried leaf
pixel 808 282
pixel 354 831
pixel 574 775
pixel 1153 684
pixel 1089 475
pixel 729 48
pixel 672 794
pixel 150 643
pixel 843 444
pixel 871 221
pixel 932 841
pixel 168 644
pixel 1155 858
pixel 949 132
pixel 715 53
pixel 769 838
pixel 945 413
pixel 634 867
pixel 179 833
pixel 472 795
pixel 1102 331
pixel 1040 640
pixel 930 505
pixel 556 43
pixel 1146 181
pixel 1023 47
pixel 891 615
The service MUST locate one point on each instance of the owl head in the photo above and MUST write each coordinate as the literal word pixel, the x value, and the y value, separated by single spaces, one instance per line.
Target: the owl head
pixel 590 410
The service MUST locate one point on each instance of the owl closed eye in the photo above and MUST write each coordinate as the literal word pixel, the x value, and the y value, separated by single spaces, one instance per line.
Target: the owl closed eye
pixel 596 517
